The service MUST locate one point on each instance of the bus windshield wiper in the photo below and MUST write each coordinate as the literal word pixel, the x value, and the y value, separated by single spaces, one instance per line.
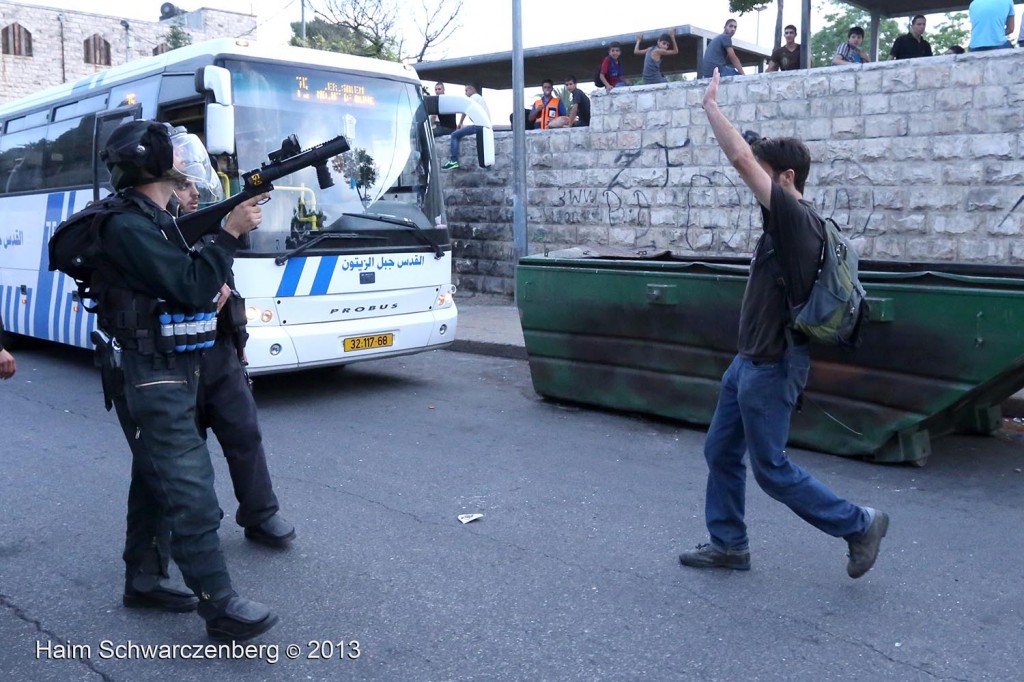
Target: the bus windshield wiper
pixel 407 224
pixel 319 238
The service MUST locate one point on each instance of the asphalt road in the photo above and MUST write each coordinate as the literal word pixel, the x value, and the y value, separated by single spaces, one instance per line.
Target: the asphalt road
pixel 571 574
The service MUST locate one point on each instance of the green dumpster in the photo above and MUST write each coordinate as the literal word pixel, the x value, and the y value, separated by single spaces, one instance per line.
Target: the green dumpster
pixel 944 347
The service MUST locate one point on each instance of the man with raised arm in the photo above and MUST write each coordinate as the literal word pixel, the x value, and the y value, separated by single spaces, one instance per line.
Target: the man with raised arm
pixel 763 383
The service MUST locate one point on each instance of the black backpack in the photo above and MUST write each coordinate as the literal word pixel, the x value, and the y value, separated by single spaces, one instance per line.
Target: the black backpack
pixel 75 245
pixel 597 77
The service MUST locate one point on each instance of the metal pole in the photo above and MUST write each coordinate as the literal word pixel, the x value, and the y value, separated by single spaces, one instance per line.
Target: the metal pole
pixel 303 3
pixel 518 135
pixel 805 35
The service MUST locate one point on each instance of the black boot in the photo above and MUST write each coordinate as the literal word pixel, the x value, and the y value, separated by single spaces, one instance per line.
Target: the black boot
pixel 234 618
pixel 149 591
pixel 273 532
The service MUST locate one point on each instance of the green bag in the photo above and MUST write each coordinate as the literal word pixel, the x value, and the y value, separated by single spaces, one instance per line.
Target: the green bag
pixel 837 305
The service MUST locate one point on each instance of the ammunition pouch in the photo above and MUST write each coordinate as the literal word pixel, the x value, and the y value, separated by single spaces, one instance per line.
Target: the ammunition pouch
pixel 231 322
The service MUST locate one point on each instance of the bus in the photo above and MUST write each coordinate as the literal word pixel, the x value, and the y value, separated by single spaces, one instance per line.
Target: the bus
pixel 358 271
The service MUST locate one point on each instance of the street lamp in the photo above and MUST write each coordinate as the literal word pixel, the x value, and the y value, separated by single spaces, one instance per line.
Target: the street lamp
pixel 759 9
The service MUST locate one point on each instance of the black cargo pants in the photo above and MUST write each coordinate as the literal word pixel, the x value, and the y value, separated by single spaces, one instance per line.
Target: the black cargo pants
pixel 172 476
pixel 226 405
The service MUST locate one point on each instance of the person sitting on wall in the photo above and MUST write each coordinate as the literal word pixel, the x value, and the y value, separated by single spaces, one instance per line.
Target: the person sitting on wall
pixel 472 92
pixel 954 49
pixel 850 52
pixel 913 44
pixel 444 124
pixel 786 57
pixel 548 111
pixel 991 23
pixel 611 68
pixel 721 55
pixel 579 112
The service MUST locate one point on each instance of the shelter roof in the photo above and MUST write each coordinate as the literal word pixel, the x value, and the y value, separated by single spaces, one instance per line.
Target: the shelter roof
pixel 580 59
pixel 895 8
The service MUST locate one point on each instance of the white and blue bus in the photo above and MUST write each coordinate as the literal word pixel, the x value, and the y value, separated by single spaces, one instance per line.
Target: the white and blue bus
pixel 358 271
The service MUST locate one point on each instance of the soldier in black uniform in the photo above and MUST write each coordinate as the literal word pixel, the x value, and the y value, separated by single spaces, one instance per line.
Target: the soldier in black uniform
pixel 150 287
pixel 226 403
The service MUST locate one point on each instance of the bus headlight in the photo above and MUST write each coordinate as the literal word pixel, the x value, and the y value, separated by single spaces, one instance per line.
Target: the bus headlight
pixel 445 297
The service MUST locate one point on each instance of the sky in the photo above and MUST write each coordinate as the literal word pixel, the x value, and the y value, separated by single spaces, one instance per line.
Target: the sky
pixel 486 25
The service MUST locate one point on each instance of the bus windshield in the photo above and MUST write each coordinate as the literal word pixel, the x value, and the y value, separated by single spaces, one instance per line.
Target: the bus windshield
pixel 386 194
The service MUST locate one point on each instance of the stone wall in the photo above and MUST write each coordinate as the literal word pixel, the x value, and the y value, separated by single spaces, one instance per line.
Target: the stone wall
pixel 919 160
pixel 47 66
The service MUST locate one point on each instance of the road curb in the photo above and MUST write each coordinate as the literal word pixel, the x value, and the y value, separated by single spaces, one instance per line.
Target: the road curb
pixel 499 350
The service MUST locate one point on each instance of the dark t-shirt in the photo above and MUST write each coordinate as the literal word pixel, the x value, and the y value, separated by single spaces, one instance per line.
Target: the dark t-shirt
pixel 716 56
pixel 908 47
pixel 764 314
pixel 786 60
pixel 583 107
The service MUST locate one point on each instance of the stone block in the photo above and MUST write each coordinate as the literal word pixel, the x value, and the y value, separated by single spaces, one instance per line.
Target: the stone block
pixel 646 101
pixel 964 173
pixel 951 147
pixel 990 97
pixel 785 87
pixel 951 223
pixel 869 82
pixel 633 121
pixel 933 249
pixel 658 119
pixel 1004 173
pixel 985 199
pixel 982 250
pixel 848 127
pixel 874 104
pixel 932 199
pixel 622 236
pixel 1009 225
pixel 912 103
pixel 955 99
pixel 900 79
pixel 999 146
pixel 842 84
pixel 885 126
pixel 680 118
pixel 968 72
pixel 994 121
pixel 833 107
pixel 888 248
pixel 932 75
pixel 655 137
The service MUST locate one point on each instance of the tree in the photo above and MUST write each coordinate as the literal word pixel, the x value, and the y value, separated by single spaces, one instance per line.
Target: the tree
pixel 743 6
pixel 324 35
pixel 955 30
pixel 177 36
pixel 825 41
pixel 371 28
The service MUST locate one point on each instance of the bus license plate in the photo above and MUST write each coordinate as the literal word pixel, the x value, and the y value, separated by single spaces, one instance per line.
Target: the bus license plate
pixel 368 342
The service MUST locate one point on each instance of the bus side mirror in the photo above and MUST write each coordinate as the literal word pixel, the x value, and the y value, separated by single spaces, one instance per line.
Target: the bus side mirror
pixel 215 83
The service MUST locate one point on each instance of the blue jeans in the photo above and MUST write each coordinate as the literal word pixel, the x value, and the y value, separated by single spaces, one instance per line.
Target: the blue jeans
pixel 458 135
pixel 753 413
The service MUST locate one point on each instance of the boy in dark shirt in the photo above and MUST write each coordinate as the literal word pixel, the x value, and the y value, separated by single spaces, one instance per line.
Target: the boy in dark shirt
pixel 786 57
pixel 762 385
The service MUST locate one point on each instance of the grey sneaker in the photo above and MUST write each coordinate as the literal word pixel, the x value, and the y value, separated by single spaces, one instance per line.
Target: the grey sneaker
pixel 706 556
pixel 864 548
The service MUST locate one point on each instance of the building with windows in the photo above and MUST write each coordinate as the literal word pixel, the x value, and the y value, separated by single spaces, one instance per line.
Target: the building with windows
pixel 46 46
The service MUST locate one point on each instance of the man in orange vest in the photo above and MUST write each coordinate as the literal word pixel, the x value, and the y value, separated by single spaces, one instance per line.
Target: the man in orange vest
pixel 548 108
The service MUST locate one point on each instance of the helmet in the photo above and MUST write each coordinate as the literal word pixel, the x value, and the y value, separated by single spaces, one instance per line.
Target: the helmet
pixel 140 152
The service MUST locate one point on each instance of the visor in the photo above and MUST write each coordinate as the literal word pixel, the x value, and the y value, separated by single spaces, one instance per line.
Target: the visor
pixel 192 164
